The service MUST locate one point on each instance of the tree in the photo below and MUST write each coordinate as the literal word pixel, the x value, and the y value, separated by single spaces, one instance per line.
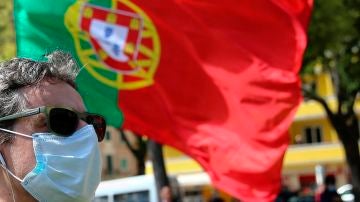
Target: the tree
pixel 334 43
pixel 7 36
pixel 138 149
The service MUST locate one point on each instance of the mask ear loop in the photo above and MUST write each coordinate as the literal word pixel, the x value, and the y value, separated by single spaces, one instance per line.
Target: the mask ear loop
pixel 3 165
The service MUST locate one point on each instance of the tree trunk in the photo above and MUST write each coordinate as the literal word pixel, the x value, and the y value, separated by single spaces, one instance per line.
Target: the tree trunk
pixel 141 155
pixel 348 135
pixel 353 160
pixel 141 167
pixel 138 151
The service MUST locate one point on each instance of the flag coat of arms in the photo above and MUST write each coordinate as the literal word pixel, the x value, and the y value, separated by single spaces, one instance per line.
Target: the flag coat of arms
pixel 218 81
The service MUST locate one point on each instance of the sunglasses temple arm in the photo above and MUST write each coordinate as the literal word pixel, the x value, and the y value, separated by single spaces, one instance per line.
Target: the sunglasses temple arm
pixel 29 112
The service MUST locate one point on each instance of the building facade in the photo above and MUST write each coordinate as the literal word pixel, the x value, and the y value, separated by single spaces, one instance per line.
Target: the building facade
pixel 117 159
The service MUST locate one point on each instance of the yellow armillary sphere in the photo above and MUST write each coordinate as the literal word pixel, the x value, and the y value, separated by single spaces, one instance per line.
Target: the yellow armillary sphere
pixel 118 44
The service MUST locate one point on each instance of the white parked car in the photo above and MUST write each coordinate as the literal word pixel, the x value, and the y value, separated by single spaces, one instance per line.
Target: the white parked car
pixel 130 189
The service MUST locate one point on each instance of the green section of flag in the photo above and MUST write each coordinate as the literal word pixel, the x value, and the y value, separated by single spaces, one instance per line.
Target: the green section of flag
pixel 101 3
pixel 39 26
pixel 40 29
pixel 91 91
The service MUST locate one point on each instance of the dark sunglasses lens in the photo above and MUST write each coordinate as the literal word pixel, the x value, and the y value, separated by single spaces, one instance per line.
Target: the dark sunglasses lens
pixel 99 124
pixel 63 121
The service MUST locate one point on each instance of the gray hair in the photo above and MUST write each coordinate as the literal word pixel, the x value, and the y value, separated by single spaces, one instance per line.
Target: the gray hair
pixel 18 73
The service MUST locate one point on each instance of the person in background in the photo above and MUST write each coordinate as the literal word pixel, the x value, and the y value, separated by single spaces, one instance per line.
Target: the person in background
pixel 165 194
pixel 48 142
pixel 329 194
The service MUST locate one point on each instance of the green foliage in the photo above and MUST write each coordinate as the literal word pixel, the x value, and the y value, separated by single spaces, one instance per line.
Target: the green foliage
pixel 334 41
pixel 7 35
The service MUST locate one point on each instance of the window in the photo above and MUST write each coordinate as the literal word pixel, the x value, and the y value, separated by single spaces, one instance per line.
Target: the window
pixel 140 196
pixel 101 199
pixel 193 195
pixel 122 141
pixel 109 164
pixel 313 134
pixel 124 164
pixel 107 135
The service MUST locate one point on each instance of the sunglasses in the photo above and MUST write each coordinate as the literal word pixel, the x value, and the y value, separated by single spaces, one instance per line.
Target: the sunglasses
pixel 64 121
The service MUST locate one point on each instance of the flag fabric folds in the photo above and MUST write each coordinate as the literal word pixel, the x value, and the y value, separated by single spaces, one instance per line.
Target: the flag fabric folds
pixel 216 80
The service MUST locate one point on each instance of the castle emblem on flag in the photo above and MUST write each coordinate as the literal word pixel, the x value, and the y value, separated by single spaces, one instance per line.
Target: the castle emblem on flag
pixel 120 41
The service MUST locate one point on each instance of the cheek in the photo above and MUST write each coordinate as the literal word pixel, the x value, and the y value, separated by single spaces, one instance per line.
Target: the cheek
pixel 81 124
pixel 22 156
pixel 22 151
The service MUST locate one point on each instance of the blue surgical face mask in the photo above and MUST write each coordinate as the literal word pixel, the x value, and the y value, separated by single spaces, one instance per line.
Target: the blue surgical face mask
pixel 67 168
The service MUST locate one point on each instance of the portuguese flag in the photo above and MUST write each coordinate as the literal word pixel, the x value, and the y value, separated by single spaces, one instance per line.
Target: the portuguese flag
pixel 216 80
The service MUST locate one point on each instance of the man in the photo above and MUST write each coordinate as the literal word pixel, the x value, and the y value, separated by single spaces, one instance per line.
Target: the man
pixel 48 144
pixel 330 194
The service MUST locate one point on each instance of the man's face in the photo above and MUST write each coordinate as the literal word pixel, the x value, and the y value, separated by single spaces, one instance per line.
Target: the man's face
pixel 19 154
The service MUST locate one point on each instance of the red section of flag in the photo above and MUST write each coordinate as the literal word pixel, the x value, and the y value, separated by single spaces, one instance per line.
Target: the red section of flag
pixel 226 88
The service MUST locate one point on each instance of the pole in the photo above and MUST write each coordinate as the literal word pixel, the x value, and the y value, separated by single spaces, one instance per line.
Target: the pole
pixel 162 181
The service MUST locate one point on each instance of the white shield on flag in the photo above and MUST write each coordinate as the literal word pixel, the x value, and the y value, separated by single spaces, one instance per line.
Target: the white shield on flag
pixel 115 35
pixel 112 38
